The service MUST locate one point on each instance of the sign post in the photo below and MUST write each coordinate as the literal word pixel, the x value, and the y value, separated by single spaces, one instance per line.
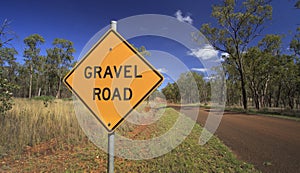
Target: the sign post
pixel 111 136
pixel 111 152
pixel 111 80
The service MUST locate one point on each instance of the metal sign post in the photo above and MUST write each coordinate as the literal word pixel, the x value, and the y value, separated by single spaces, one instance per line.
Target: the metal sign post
pixel 111 136
pixel 111 151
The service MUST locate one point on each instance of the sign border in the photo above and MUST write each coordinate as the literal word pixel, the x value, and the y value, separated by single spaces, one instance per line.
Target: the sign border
pixel 136 53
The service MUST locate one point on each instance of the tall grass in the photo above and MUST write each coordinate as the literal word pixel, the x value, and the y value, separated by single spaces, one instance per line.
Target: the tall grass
pixel 31 122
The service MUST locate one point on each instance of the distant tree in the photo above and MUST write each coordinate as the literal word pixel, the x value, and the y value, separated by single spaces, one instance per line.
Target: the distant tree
pixel 189 88
pixel 295 47
pixel 8 62
pixel 239 23
pixel 290 79
pixel 32 56
pixel 171 92
pixel 60 60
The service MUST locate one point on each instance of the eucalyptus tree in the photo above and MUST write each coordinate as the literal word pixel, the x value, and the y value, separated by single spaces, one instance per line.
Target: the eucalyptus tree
pixel 238 24
pixel 32 56
pixel 60 60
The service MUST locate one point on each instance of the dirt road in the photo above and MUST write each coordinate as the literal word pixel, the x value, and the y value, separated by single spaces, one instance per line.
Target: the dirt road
pixel 271 144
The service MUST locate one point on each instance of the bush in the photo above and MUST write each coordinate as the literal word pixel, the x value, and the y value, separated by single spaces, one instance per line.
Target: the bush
pixel 44 98
pixel 6 93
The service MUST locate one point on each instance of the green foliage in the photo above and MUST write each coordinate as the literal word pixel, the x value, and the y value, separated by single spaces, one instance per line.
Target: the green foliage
pixel 238 25
pixel 32 57
pixel 32 42
pixel 8 64
pixel 6 93
pixel 271 43
pixel 261 68
pixel 7 61
pixel 7 56
pixel 171 92
pixel 189 88
pixel 44 98
pixel 190 85
pixel 32 50
pixel 59 61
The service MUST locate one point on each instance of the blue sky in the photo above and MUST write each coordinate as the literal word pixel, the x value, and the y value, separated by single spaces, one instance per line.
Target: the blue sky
pixel 78 21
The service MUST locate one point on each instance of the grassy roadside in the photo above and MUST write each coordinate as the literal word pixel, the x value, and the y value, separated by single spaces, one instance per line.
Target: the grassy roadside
pixel 283 114
pixel 287 114
pixel 35 138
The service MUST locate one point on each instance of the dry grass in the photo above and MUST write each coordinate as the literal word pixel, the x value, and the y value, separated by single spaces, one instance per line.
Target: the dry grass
pixel 35 138
pixel 30 122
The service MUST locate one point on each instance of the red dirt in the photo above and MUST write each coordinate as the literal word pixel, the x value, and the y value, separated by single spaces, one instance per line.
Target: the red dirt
pixel 45 158
pixel 270 144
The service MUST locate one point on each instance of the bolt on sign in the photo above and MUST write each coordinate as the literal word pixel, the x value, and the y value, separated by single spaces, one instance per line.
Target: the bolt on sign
pixel 112 79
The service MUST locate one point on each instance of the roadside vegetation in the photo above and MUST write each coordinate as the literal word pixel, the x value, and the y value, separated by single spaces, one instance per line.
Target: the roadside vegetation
pixel 36 138
pixel 278 113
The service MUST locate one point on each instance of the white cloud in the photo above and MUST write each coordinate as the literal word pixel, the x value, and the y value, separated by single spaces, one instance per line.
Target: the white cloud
pixel 199 69
pixel 162 70
pixel 224 54
pixel 204 53
pixel 209 77
pixel 167 78
pixel 186 19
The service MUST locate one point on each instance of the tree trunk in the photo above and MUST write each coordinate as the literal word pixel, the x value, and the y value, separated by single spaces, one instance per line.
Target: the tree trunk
pixel 270 99
pixel 278 95
pixel 291 102
pixel 243 82
pixel 256 101
pixel 37 85
pixel 244 93
pixel 263 101
pixel 255 95
pixel 39 92
pixel 58 90
pixel 30 83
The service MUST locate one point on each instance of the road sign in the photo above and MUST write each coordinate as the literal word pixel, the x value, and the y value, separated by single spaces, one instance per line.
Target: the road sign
pixel 112 79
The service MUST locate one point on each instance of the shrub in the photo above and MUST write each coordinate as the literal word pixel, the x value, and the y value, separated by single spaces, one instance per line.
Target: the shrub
pixel 6 93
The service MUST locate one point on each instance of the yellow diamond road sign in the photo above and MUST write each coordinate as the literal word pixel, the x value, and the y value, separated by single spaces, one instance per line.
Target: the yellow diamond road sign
pixel 112 79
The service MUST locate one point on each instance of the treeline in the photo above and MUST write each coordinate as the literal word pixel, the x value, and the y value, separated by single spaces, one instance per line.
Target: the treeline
pixel 190 87
pixel 40 74
pixel 272 78
pixel 258 73
pixel 259 70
